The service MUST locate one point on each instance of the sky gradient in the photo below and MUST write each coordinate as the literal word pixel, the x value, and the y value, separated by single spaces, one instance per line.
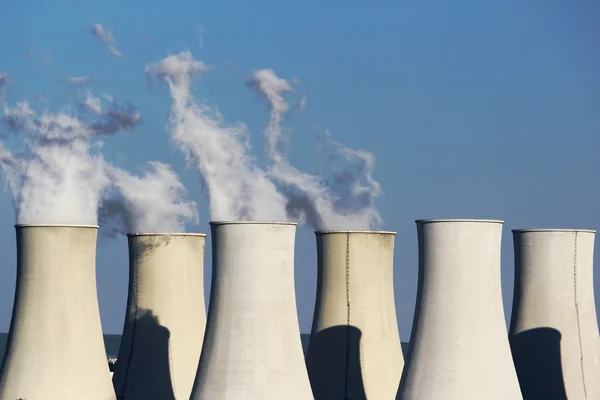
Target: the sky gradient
pixel 473 110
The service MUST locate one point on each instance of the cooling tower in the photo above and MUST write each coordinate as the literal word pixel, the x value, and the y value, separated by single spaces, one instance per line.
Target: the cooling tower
pixel 164 325
pixel 354 350
pixel 252 347
pixel 554 331
pixel 55 349
pixel 459 345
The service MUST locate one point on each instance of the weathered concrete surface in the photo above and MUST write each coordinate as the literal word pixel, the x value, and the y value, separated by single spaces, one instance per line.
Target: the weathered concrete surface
pixel 354 351
pixel 55 349
pixel 554 329
pixel 165 320
pixel 459 344
pixel 252 348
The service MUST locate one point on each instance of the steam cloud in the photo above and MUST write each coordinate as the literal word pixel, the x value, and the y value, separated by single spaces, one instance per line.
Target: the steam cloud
pixel 236 187
pixel 92 103
pixel 106 38
pixel 347 202
pixel 152 203
pixel 57 176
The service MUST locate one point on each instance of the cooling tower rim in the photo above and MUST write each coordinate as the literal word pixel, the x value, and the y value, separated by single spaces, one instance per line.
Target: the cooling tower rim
pixel 166 234
pixel 56 226
pixel 436 220
pixel 215 223
pixel 333 231
pixel 553 230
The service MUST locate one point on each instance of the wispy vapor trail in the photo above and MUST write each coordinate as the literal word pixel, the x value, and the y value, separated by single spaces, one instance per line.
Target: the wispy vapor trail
pixel 56 176
pixel 201 32
pixel 78 80
pixel 236 188
pixel 106 38
pixel 47 58
pixel 302 103
pixel 272 88
pixel 3 80
pixel 154 202
pixel 117 119
pixel 41 97
pixel 347 201
pixel 92 103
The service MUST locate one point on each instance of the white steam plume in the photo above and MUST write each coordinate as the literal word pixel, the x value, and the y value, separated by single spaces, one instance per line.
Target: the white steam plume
pixel 92 103
pixel 269 85
pixel 56 177
pixel 345 203
pixel 106 38
pixel 152 203
pixel 236 188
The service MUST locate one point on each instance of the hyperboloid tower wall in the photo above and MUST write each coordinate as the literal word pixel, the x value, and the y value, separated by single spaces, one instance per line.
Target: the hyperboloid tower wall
pixel 354 350
pixel 252 347
pixel 554 330
pixel 459 345
pixel 55 349
pixel 164 325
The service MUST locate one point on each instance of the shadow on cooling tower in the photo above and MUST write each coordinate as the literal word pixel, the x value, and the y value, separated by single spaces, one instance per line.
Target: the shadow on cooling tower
pixel 148 248
pixel 148 359
pixel 336 374
pixel 537 357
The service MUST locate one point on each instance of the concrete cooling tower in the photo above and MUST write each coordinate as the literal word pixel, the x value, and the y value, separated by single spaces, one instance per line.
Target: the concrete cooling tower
pixel 164 325
pixel 354 350
pixel 252 348
pixel 55 349
pixel 459 345
pixel 554 330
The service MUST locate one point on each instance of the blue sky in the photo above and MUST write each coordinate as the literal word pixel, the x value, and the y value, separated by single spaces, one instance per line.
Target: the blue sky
pixel 473 110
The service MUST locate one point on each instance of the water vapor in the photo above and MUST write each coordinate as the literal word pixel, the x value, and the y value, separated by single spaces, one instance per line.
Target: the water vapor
pixel 42 98
pixel 151 203
pixel 57 175
pixel 236 187
pixel 3 80
pixel 344 202
pixel 78 80
pixel 92 103
pixel 117 119
pixel 106 38
pixel 47 58
pixel 267 84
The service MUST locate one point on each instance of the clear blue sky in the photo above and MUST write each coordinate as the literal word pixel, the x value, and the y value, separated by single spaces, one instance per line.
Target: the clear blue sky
pixel 473 110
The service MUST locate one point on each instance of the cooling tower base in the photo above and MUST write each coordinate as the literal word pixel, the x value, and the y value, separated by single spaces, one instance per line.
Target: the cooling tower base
pixel 55 349
pixel 354 350
pixel 459 346
pixel 252 347
pixel 164 325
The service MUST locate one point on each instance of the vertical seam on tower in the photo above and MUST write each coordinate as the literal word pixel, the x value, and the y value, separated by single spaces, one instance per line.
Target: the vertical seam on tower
pixel 347 314
pixel 577 317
